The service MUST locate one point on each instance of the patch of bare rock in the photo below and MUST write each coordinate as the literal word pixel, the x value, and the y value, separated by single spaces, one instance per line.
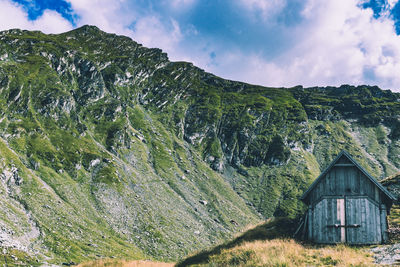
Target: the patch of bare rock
pixel 387 254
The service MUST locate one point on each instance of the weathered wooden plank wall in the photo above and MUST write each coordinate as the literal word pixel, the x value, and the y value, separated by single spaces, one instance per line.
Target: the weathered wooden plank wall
pixel 362 217
pixel 355 220
pixel 349 181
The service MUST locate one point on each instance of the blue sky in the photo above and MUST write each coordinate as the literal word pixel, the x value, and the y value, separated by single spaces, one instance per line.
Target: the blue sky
pixel 267 42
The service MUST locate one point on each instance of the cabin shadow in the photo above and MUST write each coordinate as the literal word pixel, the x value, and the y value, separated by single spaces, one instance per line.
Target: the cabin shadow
pixel 274 228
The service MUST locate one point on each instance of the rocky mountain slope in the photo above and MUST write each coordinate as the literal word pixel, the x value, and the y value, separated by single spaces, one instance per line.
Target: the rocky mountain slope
pixel 109 149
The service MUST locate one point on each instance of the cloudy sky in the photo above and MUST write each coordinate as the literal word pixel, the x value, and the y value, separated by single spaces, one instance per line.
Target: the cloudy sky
pixel 267 42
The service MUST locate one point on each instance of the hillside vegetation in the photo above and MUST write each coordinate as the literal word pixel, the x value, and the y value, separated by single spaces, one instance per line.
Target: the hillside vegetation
pixel 109 149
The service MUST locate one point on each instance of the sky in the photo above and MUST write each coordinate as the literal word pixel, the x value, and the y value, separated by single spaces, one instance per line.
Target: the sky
pixel 280 43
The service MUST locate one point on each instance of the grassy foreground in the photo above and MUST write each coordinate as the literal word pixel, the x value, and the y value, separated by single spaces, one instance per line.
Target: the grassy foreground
pixel 266 244
pixel 287 252
pixel 270 244
pixel 275 252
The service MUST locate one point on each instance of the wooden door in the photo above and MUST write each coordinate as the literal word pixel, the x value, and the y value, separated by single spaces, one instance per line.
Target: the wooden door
pixel 353 220
pixel 363 225
pixel 328 219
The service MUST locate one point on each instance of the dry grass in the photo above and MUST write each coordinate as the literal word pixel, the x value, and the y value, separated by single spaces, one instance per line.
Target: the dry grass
pixel 279 252
pixel 269 244
pixel 271 229
pixel 124 263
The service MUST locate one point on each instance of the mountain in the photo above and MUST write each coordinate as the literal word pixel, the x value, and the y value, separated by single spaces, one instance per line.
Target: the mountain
pixel 107 148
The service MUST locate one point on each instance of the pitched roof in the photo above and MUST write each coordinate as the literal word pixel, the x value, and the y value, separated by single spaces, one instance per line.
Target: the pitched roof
pixel 347 155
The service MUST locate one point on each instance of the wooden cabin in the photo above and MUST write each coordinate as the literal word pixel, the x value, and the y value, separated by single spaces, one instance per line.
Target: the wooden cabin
pixel 346 205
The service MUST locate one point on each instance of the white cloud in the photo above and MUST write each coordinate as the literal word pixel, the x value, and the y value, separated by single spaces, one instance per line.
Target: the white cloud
pixel 268 8
pixel 153 33
pixel 337 43
pixel 13 16
pixel 109 16
pixel 342 41
pixel 392 3
pixel 52 22
pixel 118 17
pixel 181 4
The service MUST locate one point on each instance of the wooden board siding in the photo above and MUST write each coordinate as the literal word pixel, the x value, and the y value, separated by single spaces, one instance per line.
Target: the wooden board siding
pixel 345 181
pixel 354 220
pixel 326 214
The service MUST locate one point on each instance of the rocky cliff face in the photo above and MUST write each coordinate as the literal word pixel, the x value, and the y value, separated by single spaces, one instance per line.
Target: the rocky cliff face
pixel 109 149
